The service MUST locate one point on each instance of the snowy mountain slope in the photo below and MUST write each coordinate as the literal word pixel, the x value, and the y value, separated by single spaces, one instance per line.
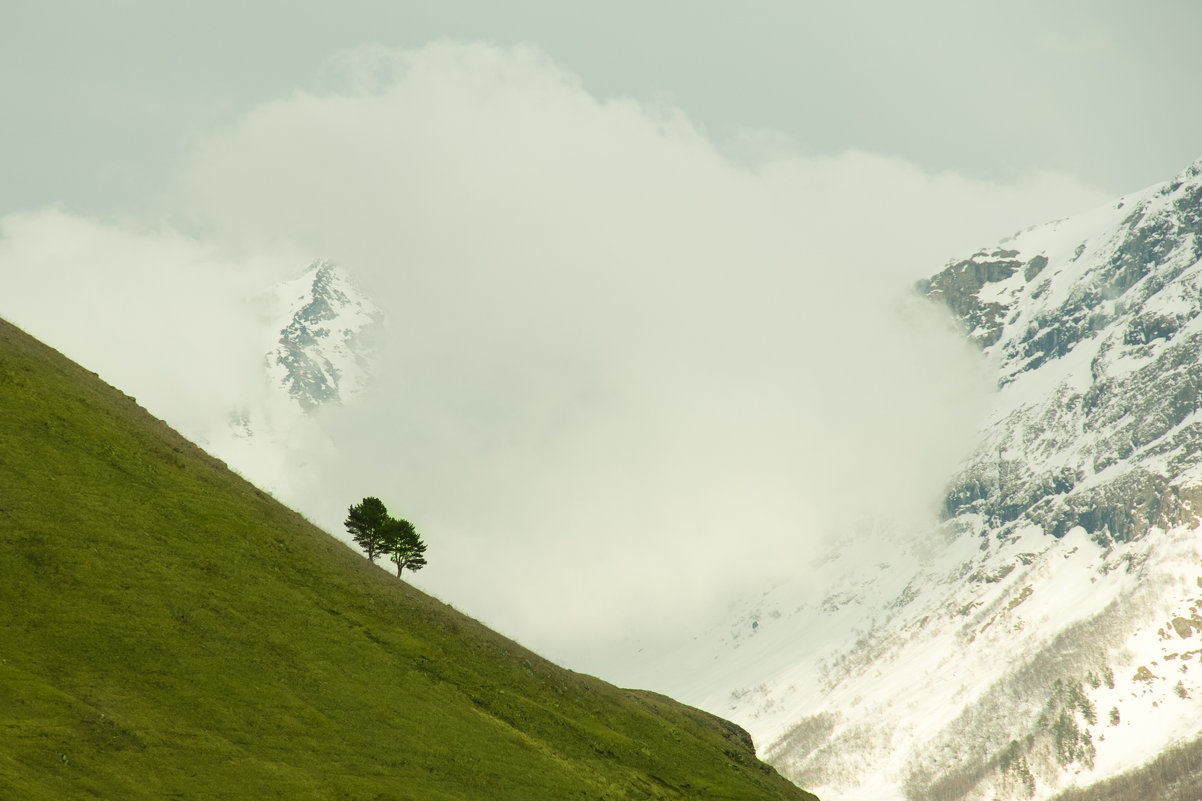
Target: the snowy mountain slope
pixel 1098 359
pixel 322 353
pixel 1047 633
pixel 321 326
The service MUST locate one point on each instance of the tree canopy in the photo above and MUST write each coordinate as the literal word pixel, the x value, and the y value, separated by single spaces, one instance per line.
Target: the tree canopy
pixel 367 521
pixel 403 546
pixel 377 533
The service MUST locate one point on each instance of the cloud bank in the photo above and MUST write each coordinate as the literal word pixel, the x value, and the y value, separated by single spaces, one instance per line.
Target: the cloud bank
pixel 625 377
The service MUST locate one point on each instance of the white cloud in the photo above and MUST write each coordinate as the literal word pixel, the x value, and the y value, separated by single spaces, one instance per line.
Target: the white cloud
pixel 625 376
pixel 158 314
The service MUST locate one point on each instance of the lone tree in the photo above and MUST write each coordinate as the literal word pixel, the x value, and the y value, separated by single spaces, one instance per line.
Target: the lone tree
pixel 403 545
pixel 368 523
pixel 376 532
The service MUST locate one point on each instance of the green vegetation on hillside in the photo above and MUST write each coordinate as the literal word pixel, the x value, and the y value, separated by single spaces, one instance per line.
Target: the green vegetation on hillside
pixel 168 631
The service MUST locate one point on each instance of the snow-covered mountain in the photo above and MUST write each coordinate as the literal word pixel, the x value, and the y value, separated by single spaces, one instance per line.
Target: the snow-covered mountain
pixel 322 329
pixel 1049 632
pixel 322 352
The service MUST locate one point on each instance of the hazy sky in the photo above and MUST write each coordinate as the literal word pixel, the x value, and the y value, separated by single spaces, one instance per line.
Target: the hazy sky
pixel 102 98
pixel 648 345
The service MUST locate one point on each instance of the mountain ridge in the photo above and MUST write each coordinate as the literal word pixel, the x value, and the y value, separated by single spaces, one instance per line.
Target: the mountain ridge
pixel 1081 503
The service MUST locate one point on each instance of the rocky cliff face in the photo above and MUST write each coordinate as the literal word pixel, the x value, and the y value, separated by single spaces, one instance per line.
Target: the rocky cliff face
pixel 1046 633
pixel 1107 328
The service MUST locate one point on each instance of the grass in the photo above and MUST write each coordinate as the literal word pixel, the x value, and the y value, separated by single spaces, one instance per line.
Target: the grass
pixel 168 631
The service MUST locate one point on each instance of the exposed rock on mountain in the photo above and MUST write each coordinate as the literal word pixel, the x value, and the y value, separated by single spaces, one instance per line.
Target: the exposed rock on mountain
pixel 1114 444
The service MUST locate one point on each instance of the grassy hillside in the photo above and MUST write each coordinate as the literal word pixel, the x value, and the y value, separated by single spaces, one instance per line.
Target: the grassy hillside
pixel 168 631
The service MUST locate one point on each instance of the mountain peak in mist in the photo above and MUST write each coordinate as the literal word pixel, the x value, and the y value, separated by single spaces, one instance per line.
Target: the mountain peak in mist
pixel 322 355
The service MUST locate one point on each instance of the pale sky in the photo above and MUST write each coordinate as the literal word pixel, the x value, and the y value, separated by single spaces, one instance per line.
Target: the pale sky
pixel 644 265
pixel 102 98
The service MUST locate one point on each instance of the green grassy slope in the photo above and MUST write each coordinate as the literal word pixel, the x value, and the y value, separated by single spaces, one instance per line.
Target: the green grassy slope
pixel 168 631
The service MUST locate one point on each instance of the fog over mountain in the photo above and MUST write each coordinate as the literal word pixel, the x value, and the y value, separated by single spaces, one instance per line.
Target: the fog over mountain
pixel 620 378
pixel 833 368
pixel 1042 635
